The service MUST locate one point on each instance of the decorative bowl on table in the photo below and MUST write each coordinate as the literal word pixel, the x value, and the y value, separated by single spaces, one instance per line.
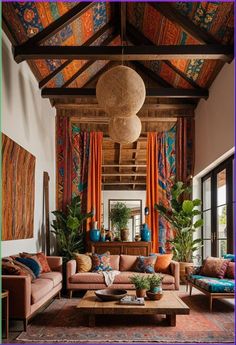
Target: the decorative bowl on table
pixel 110 294
pixel 154 295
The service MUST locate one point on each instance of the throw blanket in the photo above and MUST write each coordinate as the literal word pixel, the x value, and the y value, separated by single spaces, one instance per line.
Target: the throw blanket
pixel 109 276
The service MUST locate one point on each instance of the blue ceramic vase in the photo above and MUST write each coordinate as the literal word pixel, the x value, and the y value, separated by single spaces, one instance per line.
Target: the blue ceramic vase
pixel 94 233
pixel 145 233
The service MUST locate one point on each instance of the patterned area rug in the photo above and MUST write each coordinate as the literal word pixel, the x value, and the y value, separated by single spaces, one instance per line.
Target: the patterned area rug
pixel 61 323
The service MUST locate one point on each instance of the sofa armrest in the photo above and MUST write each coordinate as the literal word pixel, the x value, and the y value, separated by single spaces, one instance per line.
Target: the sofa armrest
pixel 19 288
pixel 174 268
pixel 55 263
pixel 70 270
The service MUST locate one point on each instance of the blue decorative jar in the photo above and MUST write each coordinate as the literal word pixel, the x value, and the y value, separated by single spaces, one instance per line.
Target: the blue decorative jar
pixel 94 233
pixel 145 233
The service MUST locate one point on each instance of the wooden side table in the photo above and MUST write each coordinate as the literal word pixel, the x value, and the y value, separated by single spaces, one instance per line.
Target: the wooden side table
pixel 5 297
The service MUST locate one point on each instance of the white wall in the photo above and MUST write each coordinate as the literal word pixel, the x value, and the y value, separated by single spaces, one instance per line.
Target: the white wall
pixel 29 121
pixel 214 121
pixel 122 194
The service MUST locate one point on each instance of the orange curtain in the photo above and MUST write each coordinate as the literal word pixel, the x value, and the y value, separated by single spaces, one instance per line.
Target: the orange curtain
pixel 152 188
pixel 94 190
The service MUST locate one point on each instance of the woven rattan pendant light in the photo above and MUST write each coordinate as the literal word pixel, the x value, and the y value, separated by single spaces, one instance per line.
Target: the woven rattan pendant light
pixel 125 130
pixel 121 91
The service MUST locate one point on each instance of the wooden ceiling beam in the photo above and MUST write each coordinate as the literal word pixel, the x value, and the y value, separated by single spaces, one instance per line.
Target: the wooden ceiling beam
pixel 124 165
pixel 168 11
pixel 90 41
pixel 123 9
pixel 150 92
pixel 123 183
pixel 124 174
pixel 126 53
pixel 146 106
pixel 57 25
pixel 155 77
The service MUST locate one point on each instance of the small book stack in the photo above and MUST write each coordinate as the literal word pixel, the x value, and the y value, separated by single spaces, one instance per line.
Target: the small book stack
pixel 132 300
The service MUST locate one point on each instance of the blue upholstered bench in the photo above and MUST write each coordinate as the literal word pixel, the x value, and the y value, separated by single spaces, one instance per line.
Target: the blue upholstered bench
pixel 210 286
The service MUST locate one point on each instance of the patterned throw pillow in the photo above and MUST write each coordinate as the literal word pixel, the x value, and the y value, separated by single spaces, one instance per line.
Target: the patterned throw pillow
pixel 214 267
pixel 9 268
pixel 34 257
pixel 31 263
pixel 83 263
pixel 25 270
pixel 42 260
pixel 162 264
pixel 101 262
pixel 230 272
pixel 145 264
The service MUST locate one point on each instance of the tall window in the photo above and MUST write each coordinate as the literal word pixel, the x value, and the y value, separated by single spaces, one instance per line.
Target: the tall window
pixel 217 206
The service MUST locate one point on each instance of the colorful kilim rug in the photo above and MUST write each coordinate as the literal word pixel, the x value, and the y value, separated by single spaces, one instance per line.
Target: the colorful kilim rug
pixel 61 323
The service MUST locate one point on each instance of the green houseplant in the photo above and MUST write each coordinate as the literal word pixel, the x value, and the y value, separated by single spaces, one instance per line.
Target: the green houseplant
pixel 69 230
pixel 119 216
pixel 155 281
pixel 141 284
pixel 181 215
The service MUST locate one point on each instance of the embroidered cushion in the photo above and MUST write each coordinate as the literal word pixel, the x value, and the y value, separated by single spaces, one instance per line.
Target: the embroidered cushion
pixel 83 263
pixel 25 270
pixel 31 263
pixel 9 268
pixel 145 264
pixel 214 267
pixel 101 262
pixel 230 272
pixel 162 264
pixel 213 284
pixel 34 257
pixel 230 257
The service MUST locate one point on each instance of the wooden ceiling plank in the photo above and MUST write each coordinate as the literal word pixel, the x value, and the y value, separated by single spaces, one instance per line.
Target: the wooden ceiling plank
pixel 124 165
pixel 146 106
pixel 150 92
pixel 74 13
pixel 123 9
pixel 168 11
pixel 126 53
pixel 120 159
pixel 124 183
pixel 123 174
pixel 90 41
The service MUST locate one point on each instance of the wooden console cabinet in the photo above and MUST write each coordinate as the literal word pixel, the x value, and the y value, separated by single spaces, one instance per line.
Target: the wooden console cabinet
pixel 116 248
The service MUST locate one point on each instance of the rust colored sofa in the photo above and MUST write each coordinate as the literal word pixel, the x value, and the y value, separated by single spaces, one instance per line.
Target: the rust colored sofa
pixel 124 264
pixel 26 297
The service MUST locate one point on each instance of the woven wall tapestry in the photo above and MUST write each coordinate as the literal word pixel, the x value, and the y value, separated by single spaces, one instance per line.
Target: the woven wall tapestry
pixel 18 191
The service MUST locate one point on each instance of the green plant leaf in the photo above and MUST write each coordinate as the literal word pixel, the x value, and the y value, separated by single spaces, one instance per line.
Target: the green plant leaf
pixel 197 202
pixel 198 223
pixel 187 206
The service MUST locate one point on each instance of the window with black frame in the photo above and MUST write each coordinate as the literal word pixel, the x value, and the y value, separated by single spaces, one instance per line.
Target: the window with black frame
pixel 218 210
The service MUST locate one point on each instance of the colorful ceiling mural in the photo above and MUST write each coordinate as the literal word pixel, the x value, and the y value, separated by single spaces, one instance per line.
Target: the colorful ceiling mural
pixel 26 19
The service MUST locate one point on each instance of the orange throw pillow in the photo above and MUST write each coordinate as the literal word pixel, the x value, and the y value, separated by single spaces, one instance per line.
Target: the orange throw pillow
pixel 163 262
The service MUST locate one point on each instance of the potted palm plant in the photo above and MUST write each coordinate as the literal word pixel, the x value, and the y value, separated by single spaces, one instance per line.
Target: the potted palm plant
pixel 69 230
pixel 119 216
pixel 181 215
pixel 140 283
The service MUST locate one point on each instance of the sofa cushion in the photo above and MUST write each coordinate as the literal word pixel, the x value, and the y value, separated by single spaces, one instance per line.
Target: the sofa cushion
pixel 40 288
pixel 162 264
pixel 55 277
pixel 145 264
pixel 88 277
pixel 83 262
pixel 101 262
pixel 214 267
pixel 127 262
pixel 230 257
pixel 213 284
pixel 32 264
pixel 123 278
pixel 115 262
pixel 230 272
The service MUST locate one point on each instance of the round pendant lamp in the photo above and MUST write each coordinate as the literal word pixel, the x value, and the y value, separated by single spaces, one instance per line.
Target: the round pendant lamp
pixel 125 130
pixel 121 91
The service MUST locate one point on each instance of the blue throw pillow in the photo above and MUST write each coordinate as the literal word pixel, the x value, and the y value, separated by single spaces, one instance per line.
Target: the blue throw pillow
pixel 32 264
pixel 145 264
pixel 230 257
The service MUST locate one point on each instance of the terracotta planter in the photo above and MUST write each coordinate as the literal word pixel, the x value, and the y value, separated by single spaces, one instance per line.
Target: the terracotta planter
pixel 140 292
pixel 124 235
pixel 182 266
